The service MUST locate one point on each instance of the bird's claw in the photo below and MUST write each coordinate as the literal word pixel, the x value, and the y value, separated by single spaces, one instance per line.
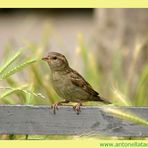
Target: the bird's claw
pixel 55 107
pixel 77 108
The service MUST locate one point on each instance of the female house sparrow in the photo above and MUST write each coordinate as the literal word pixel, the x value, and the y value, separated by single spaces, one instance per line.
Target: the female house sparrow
pixel 69 84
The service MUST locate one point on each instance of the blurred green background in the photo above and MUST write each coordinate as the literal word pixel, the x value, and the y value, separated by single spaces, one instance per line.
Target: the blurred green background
pixel 109 47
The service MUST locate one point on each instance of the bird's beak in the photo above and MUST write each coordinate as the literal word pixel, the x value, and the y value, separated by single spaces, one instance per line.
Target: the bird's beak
pixel 45 58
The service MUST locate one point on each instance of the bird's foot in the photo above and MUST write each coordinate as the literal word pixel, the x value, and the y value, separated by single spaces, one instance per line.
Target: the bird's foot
pixel 77 108
pixel 55 107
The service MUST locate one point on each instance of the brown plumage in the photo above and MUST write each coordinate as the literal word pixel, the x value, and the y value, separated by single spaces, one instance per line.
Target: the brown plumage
pixel 69 84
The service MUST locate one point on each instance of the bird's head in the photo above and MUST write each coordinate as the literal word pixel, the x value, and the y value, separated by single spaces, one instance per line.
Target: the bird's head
pixel 56 61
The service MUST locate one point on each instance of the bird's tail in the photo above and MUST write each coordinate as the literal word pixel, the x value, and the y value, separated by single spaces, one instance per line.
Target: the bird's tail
pixel 103 100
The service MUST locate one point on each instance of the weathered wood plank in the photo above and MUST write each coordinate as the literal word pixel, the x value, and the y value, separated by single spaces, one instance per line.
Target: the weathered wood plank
pixel 18 119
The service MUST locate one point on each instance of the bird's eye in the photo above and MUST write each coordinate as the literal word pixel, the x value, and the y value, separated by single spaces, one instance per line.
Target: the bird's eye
pixel 54 58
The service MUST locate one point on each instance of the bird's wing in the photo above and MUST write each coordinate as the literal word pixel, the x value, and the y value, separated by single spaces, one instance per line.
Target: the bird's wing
pixel 79 81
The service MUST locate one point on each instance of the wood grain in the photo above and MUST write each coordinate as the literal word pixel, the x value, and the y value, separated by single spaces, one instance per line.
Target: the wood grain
pixel 19 119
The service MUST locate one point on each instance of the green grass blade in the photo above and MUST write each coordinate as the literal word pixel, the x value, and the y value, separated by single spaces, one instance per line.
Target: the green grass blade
pixel 10 61
pixel 126 115
pixel 120 98
pixel 10 90
pixel 21 89
pixel 7 93
pixel 141 92
pixel 18 68
pixel 143 76
pixel 29 96
pixel 42 84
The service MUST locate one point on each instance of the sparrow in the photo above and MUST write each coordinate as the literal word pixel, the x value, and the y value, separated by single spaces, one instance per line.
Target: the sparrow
pixel 69 84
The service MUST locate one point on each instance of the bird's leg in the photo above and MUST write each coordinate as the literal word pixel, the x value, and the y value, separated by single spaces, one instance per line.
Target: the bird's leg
pixel 77 108
pixel 55 106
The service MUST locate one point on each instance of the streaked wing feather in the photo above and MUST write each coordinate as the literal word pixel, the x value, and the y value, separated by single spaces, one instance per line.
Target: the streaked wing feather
pixel 79 81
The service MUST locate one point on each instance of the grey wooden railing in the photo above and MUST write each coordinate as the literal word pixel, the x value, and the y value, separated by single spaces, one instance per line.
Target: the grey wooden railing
pixel 19 119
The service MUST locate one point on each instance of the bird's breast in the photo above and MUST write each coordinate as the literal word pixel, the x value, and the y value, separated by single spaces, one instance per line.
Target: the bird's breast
pixel 60 84
pixel 64 87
